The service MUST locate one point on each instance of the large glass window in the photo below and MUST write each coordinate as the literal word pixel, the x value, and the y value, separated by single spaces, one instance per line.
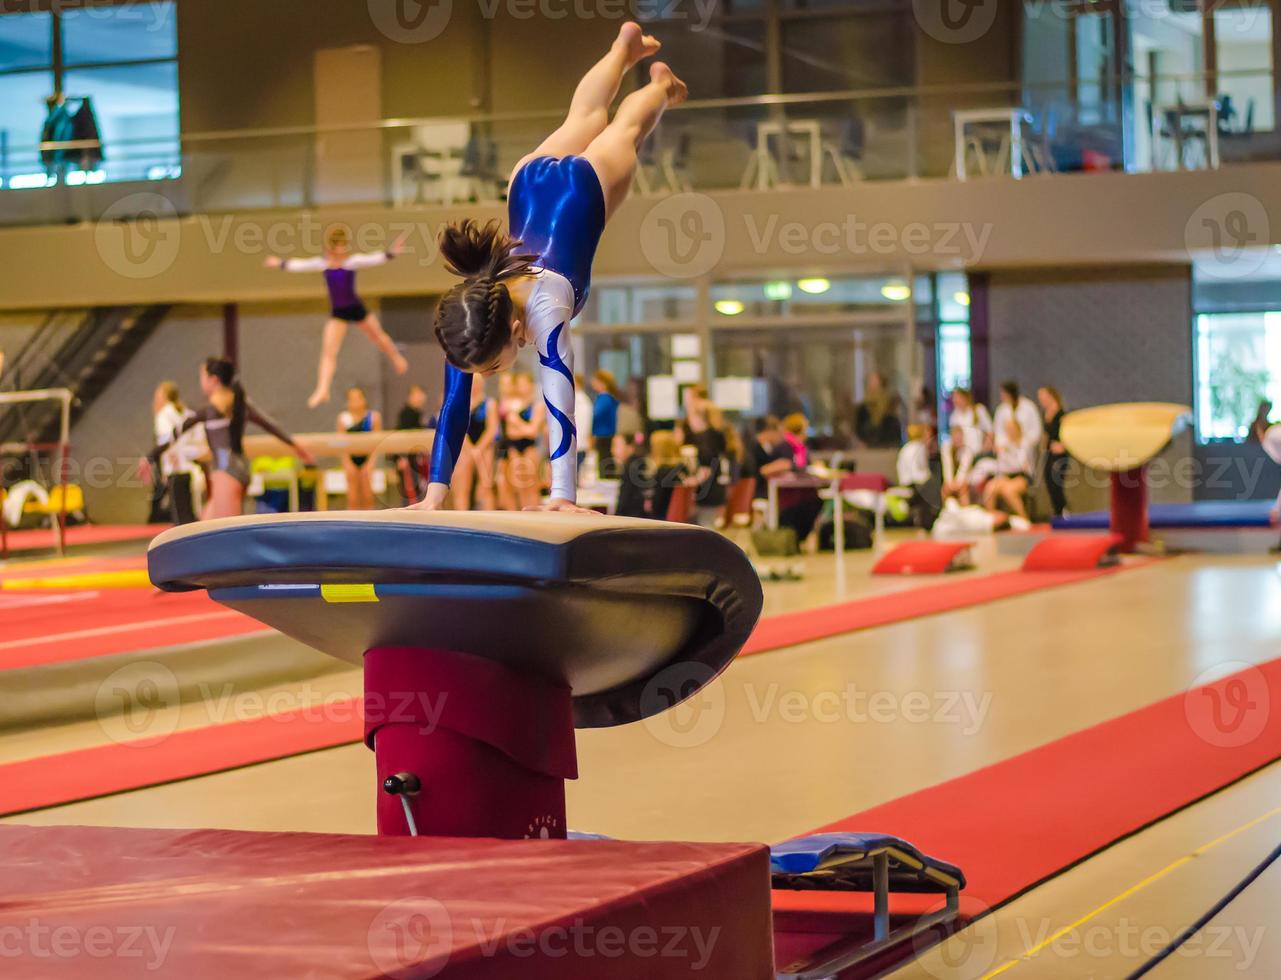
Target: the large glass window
pixel 117 73
pixel 1238 366
pixel 1243 42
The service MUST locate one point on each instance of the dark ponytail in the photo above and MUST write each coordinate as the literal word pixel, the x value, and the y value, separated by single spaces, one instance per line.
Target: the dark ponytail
pixel 224 372
pixel 473 320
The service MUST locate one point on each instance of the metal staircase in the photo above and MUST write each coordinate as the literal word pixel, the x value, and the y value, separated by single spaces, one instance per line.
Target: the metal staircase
pixel 80 350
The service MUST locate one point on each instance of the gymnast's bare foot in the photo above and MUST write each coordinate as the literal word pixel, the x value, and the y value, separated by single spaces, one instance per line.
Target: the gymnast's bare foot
pixel 637 44
pixel 661 74
pixel 320 396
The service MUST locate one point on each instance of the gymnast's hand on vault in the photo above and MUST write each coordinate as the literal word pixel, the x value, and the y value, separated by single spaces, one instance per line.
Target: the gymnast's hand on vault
pixel 564 507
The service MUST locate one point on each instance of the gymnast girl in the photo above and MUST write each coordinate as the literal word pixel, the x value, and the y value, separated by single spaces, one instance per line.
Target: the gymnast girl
pixel 524 423
pixel 224 420
pixel 358 470
pixel 476 462
pixel 345 308
pixel 525 287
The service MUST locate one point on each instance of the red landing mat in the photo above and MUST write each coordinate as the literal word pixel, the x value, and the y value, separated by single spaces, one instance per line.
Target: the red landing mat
pixel 115 903
pixel 807 625
pixel 41 539
pixel 51 627
pixel 1065 552
pixel 1014 824
pixel 924 558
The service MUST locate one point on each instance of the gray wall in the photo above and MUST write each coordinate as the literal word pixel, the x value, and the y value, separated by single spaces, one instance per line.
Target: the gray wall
pixel 1100 336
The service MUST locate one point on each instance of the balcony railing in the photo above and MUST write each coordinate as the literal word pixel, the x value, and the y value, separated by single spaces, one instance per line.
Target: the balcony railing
pixel 1134 124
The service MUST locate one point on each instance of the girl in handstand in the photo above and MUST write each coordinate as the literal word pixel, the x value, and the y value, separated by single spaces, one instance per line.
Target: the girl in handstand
pixel 345 307
pixel 526 286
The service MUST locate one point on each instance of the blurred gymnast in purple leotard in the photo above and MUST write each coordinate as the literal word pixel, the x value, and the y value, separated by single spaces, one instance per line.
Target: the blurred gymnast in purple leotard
pixel 345 307
pixel 524 287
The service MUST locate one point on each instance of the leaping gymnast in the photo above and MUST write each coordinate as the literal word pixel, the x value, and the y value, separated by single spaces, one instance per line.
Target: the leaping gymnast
pixel 345 307
pixel 524 287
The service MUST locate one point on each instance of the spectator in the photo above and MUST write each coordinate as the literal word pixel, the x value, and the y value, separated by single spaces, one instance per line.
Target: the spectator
pixel 1021 409
pixel 604 418
pixel 1056 457
pixel 913 468
pixel 634 478
pixel 667 471
pixel 703 427
pixel 971 428
pixel 525 420
pixel 771 457
pixel 795 428
pixel 876 422
pixel 412 415
pixel 179 477
pixel 1014 462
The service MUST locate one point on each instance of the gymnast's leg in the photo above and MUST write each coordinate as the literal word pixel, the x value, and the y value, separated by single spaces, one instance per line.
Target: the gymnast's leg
pixel 330 345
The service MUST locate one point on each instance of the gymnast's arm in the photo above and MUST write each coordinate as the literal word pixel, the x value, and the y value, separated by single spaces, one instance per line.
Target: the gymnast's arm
pixel 315 264
pixel 271 428
pixel 367 260
pixel 556 375
pixel 455 412
pixel 193 419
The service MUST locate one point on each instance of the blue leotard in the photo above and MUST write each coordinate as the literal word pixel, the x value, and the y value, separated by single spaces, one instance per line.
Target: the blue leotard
pixel 556 208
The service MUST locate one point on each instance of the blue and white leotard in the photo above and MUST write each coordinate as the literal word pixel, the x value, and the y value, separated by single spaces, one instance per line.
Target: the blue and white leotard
pixel 556 208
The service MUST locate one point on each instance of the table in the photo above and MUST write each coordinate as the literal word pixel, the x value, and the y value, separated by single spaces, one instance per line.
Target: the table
pixel 1176 115
pixel 1011 119
pixel 762 162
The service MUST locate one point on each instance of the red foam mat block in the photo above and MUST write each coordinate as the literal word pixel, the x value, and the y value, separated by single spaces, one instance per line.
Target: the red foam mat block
pixel 1017 822
pixel 42 539
pixel 925 558
pixel 125 903
pixel 1068 551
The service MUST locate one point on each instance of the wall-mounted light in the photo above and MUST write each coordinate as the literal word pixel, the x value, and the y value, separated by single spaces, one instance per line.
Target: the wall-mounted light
pixel 729 307
pixel 896 292
pixel 962 297
pixel 814 286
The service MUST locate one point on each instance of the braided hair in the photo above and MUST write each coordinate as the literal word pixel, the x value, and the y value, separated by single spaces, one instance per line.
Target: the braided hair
pixel 474 319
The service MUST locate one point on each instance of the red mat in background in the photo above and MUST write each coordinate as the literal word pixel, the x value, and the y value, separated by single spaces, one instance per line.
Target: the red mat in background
pixel 35 629
pixel 806 625
pixel 1071 550
pixel 1015 823
pixel 71 565
pixel 42 539
pixel 926 557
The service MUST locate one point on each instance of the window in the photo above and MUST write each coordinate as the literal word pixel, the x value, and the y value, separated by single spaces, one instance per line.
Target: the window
pixel 954 367
pixel 120 60
pixel 1238 358
pixel 1243 42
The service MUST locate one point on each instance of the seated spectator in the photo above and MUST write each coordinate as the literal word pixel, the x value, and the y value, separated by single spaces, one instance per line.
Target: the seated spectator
pixel 1014 463
pixel 971 429
pixel 604 419
pixel 771 456
pixel 796 428
pixel 876 422
pixel 913 468
pixel 667 471
pixel 411 469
